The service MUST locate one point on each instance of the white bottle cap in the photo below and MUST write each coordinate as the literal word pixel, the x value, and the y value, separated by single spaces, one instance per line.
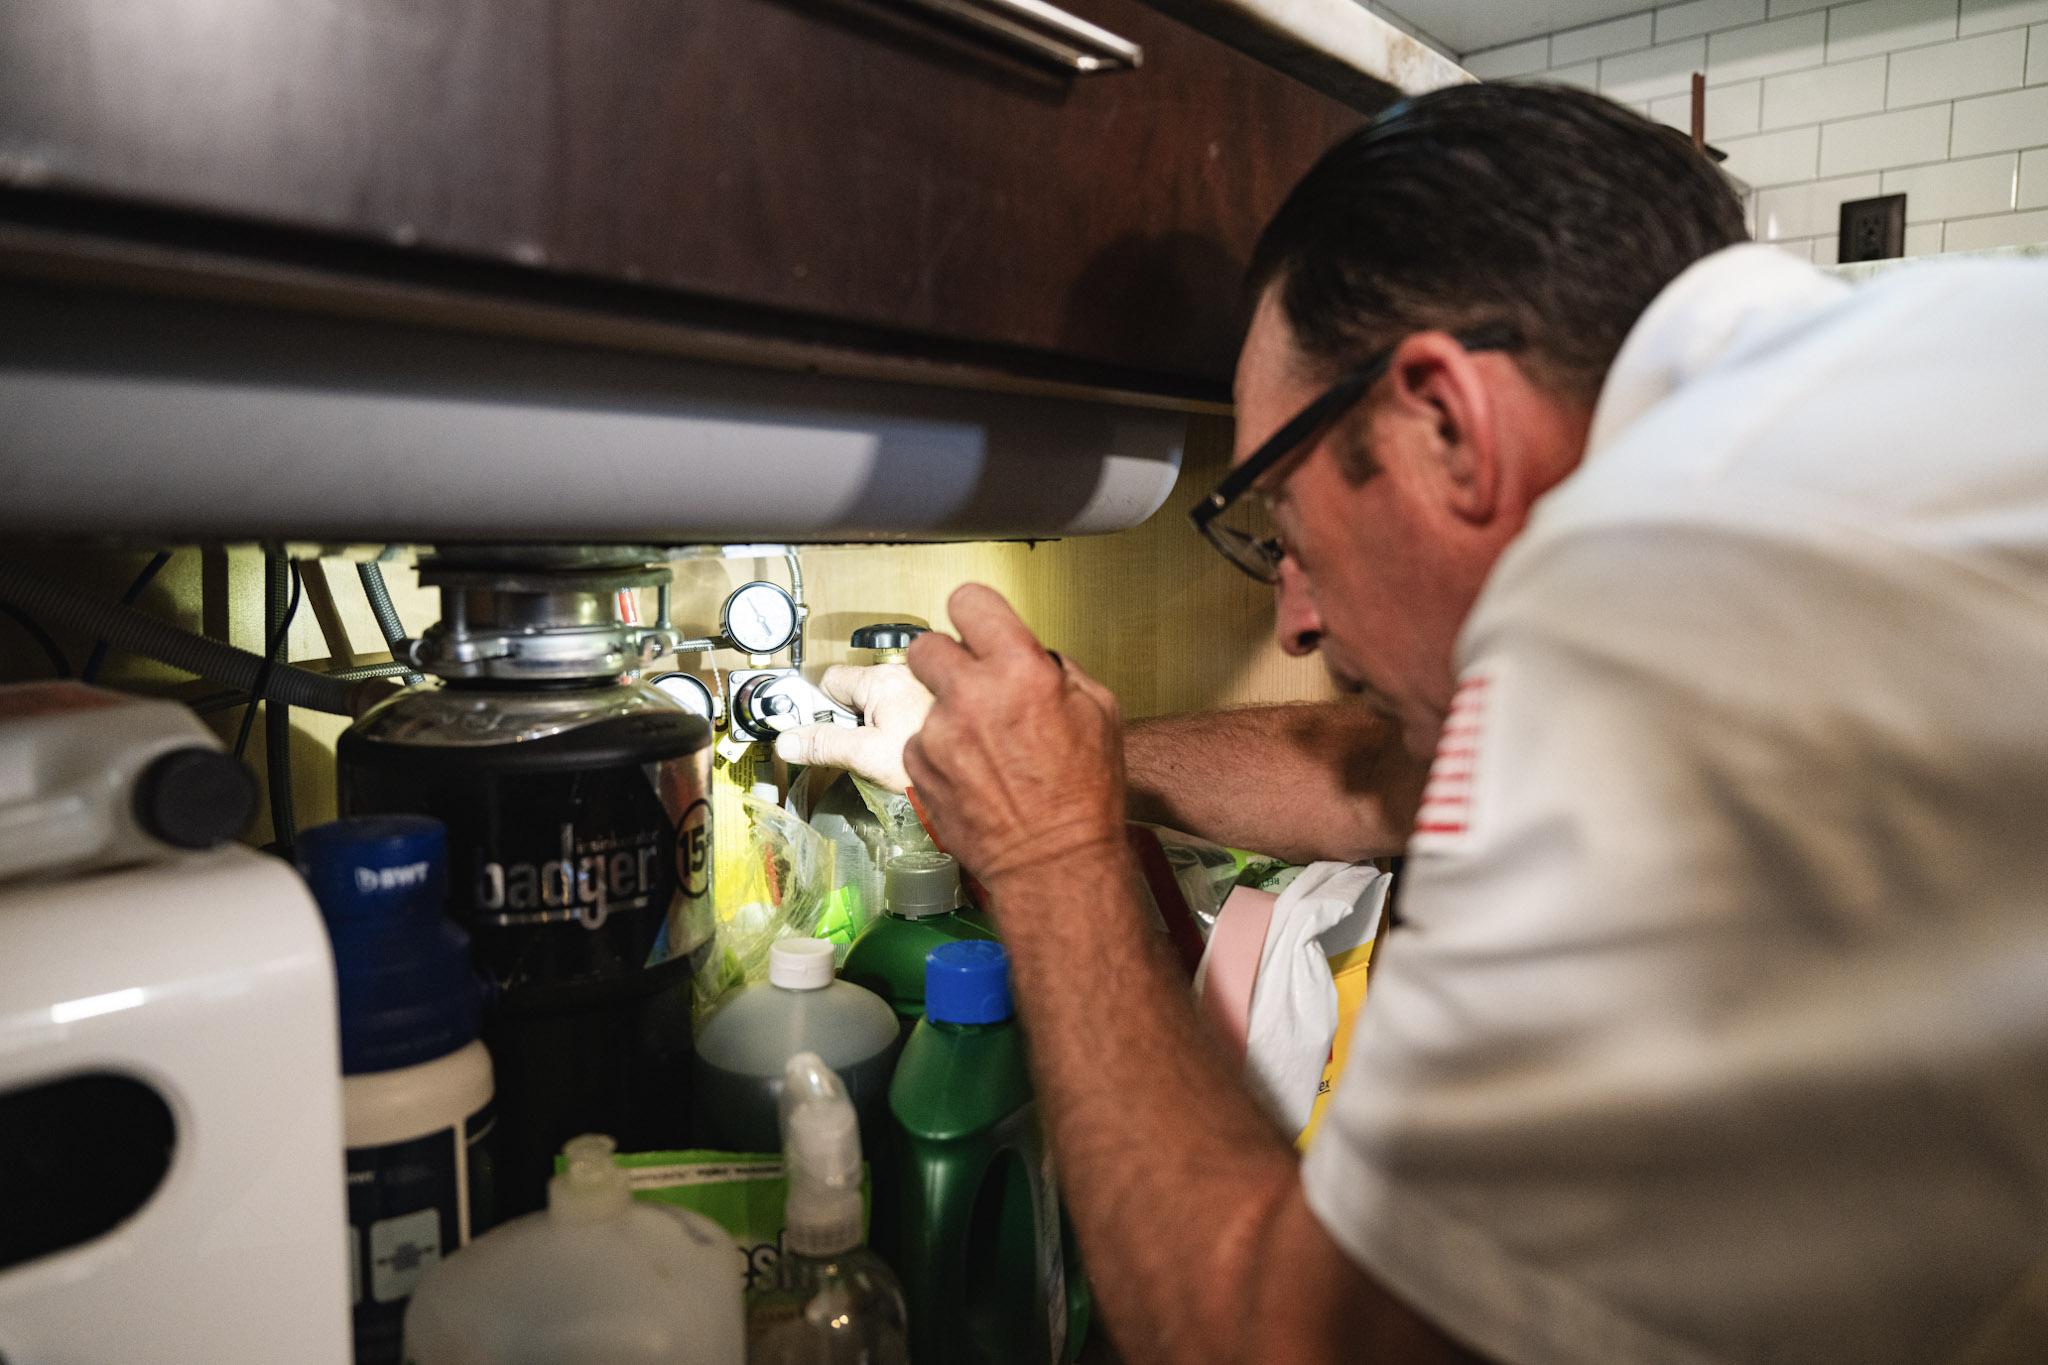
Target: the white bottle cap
pixel 591 1187
pixel 800 964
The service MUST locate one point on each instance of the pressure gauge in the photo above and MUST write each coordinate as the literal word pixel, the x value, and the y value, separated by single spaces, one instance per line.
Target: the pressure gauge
pixel 759 618
pixel 689 690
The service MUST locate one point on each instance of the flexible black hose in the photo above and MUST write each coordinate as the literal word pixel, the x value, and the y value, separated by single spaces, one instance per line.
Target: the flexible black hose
pixel 137 631
pixel 60 662
pixel 381 606
pixel 98 658
pixel 273 637
pixel 281 587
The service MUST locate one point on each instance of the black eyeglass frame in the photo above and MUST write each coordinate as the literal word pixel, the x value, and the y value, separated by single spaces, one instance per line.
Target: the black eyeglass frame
pixel 1299 431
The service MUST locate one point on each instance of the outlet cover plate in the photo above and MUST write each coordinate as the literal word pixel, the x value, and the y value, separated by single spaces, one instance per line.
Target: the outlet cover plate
pixel 1873 229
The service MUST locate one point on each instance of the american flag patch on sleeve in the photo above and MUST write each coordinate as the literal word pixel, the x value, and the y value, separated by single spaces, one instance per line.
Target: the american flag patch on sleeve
pixel 1445 820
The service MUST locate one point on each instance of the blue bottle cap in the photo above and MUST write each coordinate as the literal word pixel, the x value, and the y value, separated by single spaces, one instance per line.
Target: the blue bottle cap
pixel 967 983
pixel 406 989
pixel 371 866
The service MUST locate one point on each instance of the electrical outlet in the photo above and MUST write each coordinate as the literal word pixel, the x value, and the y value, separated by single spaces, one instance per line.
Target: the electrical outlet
pixel 1873 229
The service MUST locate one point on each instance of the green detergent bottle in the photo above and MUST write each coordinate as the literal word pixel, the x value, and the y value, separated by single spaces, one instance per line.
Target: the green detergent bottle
pixel 976 1234
pixel 920 899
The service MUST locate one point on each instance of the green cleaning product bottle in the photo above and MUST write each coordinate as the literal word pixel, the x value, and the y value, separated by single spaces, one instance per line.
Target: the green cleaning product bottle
pixel 976 1228
pixel 920 911
pixel 834 1302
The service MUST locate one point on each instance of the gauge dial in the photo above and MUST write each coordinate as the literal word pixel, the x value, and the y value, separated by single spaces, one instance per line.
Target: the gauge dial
pixel 689 690
pixel 760 618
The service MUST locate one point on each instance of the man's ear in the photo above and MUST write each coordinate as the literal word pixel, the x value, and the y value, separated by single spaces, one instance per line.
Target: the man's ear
pixel 1439 389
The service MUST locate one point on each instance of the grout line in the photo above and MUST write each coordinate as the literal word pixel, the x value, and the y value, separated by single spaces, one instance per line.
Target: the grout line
pixel 1823 63
pixel 1911 47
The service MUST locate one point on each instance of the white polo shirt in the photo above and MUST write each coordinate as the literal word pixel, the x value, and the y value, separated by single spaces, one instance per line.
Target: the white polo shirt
pixel 1717 1025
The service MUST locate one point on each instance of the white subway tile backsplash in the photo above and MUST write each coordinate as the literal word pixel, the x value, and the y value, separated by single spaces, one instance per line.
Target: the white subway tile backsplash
pixel 1996 123
pixel 1949 71
pixel 1772 158
pixel 1809 210
pixel 1705 16
pixel 1982 16
pixel 1818 102
pixel 1874 26
pixel 1661 70
pixel 1824 92
pixel 1516 59
pixel 2007 229
pixel 1781 45
pixel 1625 34
pixel 1827 250
pixel 1731 110
pixel 2034 179
pixel 1905 138
pixel 1586 76
pixel 1957 189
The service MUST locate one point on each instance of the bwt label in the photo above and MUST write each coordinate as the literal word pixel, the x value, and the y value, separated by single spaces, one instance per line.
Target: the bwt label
pixel 372 879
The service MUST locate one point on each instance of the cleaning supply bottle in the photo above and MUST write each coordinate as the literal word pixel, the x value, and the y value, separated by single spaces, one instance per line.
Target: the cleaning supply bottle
pixel 920 911
pixel 975 1231
pixel 743 1047
pixel 595 1278
pixel 416 1087
pixel 835 1302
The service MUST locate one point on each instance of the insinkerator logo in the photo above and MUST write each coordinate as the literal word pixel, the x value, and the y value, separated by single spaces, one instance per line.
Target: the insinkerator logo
pixel 591 880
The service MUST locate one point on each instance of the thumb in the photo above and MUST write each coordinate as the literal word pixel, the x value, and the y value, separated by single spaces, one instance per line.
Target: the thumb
pixel 812 745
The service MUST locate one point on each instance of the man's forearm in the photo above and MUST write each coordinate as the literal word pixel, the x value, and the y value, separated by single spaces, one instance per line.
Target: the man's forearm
pixel 1168 1169
pixel 1317 780
pixel 1199 1243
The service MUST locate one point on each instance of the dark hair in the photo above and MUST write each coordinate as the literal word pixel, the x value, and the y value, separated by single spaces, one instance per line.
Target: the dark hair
pixel 1552 209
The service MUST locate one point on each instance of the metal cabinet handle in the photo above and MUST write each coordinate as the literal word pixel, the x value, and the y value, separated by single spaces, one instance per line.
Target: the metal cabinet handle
pixel 1042 32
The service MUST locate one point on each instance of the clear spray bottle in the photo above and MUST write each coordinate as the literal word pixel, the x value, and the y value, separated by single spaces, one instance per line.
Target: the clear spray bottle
pixel 835 1302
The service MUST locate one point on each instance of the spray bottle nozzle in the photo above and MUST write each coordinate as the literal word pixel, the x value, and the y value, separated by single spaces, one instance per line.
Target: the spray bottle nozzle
pixel 821 1151
pixel 590 1187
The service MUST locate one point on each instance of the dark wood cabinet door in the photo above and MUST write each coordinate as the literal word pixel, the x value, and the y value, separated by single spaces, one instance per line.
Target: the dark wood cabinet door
pixel 841 160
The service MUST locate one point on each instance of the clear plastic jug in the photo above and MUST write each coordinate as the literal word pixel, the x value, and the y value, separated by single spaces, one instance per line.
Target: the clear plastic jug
pixel 593 1279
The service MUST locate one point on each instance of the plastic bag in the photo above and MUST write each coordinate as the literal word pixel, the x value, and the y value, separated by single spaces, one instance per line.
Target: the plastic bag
pixel 1207 873
pixel 774 883
pixel 867 826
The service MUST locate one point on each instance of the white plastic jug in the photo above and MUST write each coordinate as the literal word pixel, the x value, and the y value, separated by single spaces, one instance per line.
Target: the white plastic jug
pixel 596 1278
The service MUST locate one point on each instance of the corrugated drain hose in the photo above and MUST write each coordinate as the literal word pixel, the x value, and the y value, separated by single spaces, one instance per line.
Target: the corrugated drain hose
pixel 138 632
pixel 386 612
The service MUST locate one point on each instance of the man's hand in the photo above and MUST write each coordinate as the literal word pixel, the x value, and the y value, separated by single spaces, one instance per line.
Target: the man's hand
pixel 891 704
pixel 1020 763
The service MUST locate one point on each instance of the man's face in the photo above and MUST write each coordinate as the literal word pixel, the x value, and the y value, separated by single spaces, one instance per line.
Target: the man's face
pixel 1365 580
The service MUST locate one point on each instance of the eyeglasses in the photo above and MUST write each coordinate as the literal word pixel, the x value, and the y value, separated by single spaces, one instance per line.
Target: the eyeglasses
pixel 1258 555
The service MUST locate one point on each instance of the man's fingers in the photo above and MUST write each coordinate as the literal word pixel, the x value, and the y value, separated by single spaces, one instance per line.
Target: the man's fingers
pixel 834 746
pixel 849 685
pixel 1093 690
pixel 936 660
pixel 987 624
